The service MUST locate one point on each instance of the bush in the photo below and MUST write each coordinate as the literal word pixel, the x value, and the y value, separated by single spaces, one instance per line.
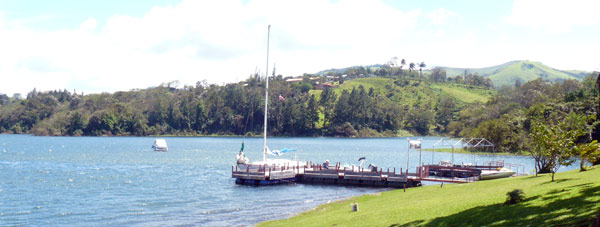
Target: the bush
pixel 515 196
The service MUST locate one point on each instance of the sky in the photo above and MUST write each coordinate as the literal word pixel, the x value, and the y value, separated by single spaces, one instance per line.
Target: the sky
pixel 112 45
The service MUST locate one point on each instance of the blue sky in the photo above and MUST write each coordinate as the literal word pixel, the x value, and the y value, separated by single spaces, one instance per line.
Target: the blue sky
pixel 97 46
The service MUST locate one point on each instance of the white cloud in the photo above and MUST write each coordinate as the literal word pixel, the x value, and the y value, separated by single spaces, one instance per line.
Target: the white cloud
pixel 88 25
pixel 440 16
pixel 554 16
pixel 225 41
pixel 220 41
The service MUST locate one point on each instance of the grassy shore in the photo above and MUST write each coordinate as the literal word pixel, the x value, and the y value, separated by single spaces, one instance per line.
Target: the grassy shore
pixel 573 199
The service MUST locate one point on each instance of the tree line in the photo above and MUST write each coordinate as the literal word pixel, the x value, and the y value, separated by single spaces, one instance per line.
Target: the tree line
pixel 516 118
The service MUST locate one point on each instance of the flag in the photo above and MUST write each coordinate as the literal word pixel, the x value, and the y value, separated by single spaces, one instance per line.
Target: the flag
pixel 280 152
pixel 287 150
pixel 281 98
pixel 415 144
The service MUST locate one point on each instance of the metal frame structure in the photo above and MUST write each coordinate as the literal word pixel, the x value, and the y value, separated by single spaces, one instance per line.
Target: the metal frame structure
pixel 464 142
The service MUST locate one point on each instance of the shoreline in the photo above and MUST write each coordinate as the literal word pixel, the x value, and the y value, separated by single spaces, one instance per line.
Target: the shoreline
pixel 479 203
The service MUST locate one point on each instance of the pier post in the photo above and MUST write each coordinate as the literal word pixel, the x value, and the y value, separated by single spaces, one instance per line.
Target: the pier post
pixel 420 163
pixel 394 170
pixel 248 169
pixel 408 154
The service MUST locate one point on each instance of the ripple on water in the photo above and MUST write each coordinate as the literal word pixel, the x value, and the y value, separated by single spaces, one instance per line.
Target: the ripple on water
pixel 118 181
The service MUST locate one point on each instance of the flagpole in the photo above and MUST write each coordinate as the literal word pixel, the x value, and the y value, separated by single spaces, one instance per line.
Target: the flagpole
pixel 420 145
pixel 407 155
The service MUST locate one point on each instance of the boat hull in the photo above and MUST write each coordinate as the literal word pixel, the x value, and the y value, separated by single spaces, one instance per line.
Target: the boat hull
pixel 502 173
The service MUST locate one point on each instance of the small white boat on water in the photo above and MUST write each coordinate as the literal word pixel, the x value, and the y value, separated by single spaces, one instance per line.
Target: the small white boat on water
pixel 160 145
pixel 495 174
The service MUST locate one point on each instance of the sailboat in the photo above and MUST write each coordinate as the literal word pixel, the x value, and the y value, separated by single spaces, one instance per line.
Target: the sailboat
pixel 243 162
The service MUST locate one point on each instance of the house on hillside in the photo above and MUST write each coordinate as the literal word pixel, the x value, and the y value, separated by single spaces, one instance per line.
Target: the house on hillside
pixel 291 80
pixel 322 86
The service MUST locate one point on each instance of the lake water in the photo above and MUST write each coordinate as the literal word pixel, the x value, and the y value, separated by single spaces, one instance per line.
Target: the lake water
pixel 120 181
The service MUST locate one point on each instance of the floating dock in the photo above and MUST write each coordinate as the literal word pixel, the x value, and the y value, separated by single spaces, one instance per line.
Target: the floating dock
pixel 316 174
pixel 309 173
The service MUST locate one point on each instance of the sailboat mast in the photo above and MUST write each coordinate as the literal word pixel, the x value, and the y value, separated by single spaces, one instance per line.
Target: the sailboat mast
pixel 266 96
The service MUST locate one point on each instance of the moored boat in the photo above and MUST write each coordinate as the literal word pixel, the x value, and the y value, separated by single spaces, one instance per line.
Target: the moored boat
pixel 160 145
pixel 495 174
pixel 286 169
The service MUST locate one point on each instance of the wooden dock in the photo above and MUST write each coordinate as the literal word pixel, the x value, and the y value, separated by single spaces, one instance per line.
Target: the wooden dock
pixel 356 177
pixel 309 173
pixel 316 174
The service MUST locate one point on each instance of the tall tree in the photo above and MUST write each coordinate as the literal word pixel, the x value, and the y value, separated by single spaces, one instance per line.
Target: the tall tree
pixel 421 66
pixel 558 139
pixel 438 74
pixel 402 64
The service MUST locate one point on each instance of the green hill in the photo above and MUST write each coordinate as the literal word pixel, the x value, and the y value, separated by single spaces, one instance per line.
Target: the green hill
pixel 402 95
pixel 508 73
pixel 413 92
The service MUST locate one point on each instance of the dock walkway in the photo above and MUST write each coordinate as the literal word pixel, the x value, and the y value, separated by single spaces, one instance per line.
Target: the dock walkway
pixel 310 173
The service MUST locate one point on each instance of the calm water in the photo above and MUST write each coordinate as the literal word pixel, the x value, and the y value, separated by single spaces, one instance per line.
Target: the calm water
pixel 101 181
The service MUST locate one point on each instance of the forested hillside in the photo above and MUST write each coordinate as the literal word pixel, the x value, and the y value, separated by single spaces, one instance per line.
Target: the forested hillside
pixel 358 102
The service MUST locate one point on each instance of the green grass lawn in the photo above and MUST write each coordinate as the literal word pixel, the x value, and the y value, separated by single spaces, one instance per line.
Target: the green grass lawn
pixel 377 83
pixel 572 200
pixel 463 94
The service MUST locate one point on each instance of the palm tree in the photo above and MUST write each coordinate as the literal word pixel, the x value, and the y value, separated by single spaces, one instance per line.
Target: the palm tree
pixel 391 64
pixel 402 63
pixel 411 67
pixel 421 66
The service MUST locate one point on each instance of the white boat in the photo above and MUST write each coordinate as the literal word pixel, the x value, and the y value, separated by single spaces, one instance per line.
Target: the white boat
pixel 495 174
pixel 160 145
pixel 242 161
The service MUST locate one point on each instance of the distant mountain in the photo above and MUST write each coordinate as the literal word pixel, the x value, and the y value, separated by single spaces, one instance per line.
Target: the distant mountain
pixel 508 73
pixel 342 70
pixel 504 74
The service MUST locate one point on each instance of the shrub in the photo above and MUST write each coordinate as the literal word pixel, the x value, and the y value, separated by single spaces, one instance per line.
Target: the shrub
pixel 515 196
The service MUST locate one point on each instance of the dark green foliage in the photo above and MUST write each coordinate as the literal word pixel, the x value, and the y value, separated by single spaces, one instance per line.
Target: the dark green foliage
pixel 400 102
pixel 515 196
pixel 419 119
